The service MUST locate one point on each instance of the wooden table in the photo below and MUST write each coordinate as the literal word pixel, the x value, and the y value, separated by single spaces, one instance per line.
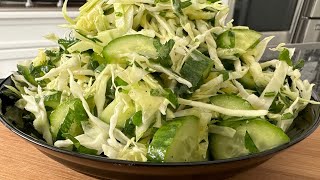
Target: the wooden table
pixel 20 160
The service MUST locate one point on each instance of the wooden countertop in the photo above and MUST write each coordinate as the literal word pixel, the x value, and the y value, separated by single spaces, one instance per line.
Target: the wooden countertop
pixel 20 160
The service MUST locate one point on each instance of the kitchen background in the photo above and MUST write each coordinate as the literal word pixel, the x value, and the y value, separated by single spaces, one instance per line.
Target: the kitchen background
pixel 23 23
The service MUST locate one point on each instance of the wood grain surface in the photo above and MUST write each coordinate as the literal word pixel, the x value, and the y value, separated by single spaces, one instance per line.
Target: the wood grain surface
pixel 20 160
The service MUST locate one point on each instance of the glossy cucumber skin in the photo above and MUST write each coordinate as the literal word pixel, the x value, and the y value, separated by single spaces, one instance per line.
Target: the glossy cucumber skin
pixel 247 81
pixel 264 135
pixel 136 43
pixel 123 116
pixel 53 100
pixel 226 40
pixel 231 102
pixel 66 118
pixel 175 141
pixel 238 38
pixel 196 68
pixel 246 38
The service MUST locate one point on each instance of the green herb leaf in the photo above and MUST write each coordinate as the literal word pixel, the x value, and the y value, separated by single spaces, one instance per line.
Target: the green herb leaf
pixel 287 116
pixel 299 64
pixel 276 107
pixel 53 56
pixel 40 71
pixel 137 118
pixel 249 144
pixel 66 43
pixel 177 7
pixel 23 70
pixel 74 117
pixel 185 4
pixel 90 38
pixel 93 64
pixel 171 97
pixel 79 148
pixel 164 52
pixel 285 100
pixel 120 82
pixel 269 94
pixel 225 75
pixel 129 128
pixel 155 92
pixel 285 56
pixel 168 94
pixel 260 89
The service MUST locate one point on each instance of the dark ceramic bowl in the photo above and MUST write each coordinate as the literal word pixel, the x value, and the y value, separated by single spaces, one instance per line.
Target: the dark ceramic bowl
pixel 102 167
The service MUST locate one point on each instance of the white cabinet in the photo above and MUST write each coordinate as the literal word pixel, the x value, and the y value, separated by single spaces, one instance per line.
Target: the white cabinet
pixel 21 35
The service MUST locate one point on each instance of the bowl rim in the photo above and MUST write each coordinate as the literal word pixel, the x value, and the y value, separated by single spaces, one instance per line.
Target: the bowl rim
pixel 103 159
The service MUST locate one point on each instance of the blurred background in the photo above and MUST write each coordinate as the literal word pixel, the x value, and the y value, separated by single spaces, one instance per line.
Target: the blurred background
pixel 23 23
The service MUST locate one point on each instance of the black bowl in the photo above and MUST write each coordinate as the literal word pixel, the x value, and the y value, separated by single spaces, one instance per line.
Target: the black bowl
pixel 103 167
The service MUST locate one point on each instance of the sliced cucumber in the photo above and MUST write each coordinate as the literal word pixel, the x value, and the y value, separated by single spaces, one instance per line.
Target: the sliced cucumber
pixel 66 118
pixel 136 43
pixel 53 100
pixel 238 38
pixel 247 81
pixel 263 134
pixel 123 116
pixel 175 141
pixel 226 40
pixel 245 38
pixel 196 68
pixel 231 102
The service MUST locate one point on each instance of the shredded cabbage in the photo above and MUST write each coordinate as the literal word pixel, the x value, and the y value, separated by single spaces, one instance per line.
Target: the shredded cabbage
pixel 172 82
pixel 36 107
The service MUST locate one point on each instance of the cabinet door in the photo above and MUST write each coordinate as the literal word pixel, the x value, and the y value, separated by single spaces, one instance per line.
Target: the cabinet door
pixel 312 31
pixel 21 35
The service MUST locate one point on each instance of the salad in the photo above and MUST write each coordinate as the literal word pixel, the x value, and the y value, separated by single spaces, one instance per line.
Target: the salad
pixel 159 81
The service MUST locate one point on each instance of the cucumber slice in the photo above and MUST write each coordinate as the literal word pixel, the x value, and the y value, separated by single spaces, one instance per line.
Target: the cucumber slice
pixel 123 116
pixel 231 102
pixel 196 68
pixel 226 40
pixel 238 39
pixel 66 118
pixel 263 134
pixel 246 38
pixel 53 100
pixel 137 43
pixel 175 141
pixel 247 81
